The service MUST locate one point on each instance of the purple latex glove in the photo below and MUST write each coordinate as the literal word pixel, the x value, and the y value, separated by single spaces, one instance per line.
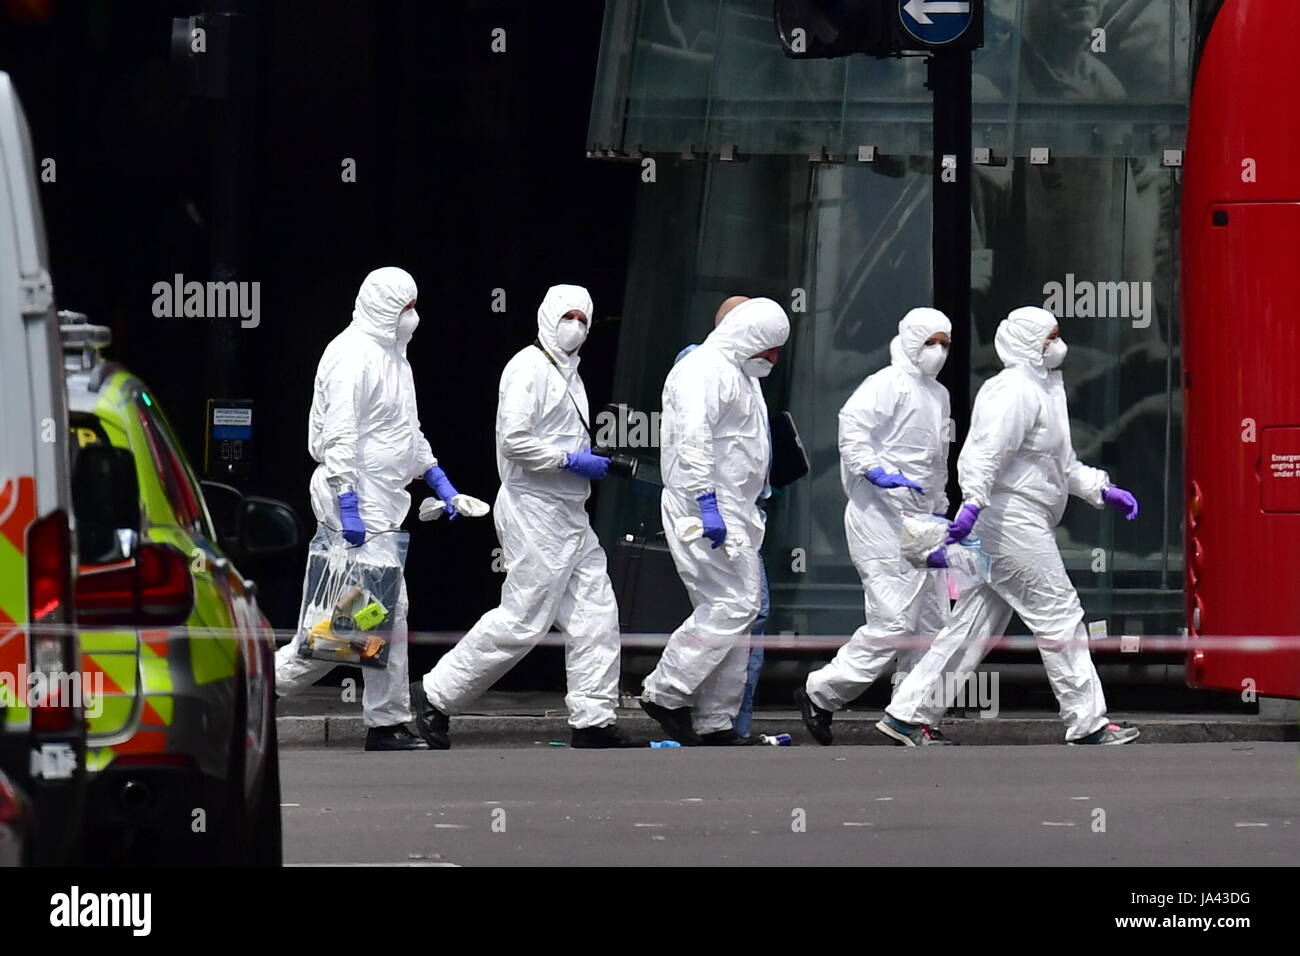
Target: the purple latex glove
pixel 1121 500
pixel 354 529
pixel 959 529
pixel 938 558
pixel 881 479
pixel 715 529
pixel 437 479
pixel 589 466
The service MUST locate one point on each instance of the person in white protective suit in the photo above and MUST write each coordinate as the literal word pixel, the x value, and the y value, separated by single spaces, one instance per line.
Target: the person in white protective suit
pixel 714 458
pixel 893 459
pixel 1016 471
pixel 364 433
pixel 555 567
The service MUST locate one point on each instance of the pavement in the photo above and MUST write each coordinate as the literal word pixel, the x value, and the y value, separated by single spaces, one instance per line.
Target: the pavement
pixel 1201 805
pixel 321 717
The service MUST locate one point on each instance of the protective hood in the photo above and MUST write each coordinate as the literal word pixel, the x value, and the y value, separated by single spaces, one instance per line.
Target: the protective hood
pixel 913 330
pixel 383 296
pixel 1020 337
pixel 560 299
pixel 751 327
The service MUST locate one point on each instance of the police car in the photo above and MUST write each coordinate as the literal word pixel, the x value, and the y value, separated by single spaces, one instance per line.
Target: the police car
pixel 181 755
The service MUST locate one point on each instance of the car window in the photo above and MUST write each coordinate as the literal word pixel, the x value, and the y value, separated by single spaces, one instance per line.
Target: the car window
pixel 181 491
pixel 97 541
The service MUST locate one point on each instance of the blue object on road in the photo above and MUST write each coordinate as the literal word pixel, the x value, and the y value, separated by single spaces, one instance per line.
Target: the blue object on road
pixel 662 744
pixel 777 740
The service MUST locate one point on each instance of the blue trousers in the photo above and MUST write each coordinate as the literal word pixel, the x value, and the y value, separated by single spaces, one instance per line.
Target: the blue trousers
pixel 746 713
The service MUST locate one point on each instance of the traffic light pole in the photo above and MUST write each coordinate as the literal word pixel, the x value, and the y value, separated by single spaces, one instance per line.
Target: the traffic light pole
pixel 950 84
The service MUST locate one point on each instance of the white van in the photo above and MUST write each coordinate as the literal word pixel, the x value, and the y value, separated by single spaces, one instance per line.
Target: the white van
pixel 42 729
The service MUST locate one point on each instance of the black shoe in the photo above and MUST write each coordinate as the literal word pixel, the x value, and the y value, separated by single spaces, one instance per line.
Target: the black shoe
pixel 727 738
pixel 817 721
pixel 609 737
pixel 396 737
pixel 939 739
pixel 676 723
pixel 431 723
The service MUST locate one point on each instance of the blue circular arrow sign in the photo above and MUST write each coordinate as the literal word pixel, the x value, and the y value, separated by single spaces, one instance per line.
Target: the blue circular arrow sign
pixel 935 21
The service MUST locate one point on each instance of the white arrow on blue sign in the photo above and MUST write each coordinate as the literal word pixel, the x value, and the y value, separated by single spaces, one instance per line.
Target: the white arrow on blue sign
pixel 935 21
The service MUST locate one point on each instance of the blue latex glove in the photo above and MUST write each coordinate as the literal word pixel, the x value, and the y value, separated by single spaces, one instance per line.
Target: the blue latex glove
pixel 715 529
pixel 1121 500
pixel 437 479
pixel 961 528
pixel 584 463
pixel 354 529
pixel 938 558
pixel 878 477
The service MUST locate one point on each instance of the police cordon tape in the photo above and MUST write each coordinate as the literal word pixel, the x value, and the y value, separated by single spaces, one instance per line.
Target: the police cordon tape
pixel 1147 643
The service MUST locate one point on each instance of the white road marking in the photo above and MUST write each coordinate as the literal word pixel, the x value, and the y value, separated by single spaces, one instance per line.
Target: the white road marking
pixel 1052 823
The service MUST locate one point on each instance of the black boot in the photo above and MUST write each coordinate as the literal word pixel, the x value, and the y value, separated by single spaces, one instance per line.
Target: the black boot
pixel 609 737
pixel 396 737
pixel 676 723
pixel 431 723
pixel 817 721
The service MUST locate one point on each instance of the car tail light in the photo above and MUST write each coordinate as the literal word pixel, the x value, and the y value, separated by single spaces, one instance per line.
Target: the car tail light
pixel 153 589
pixel 166 588
pixel 50 658
pixel 49 569
pixel 49 592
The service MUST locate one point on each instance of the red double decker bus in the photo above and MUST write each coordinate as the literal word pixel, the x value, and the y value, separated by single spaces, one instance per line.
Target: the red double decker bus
pixel 1241 348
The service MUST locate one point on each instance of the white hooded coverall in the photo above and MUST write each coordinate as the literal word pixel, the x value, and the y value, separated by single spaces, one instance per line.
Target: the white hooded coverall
pixel 714 437
pixel 555 567
pixel 364 431
pixel 1018 465
pixel 896 420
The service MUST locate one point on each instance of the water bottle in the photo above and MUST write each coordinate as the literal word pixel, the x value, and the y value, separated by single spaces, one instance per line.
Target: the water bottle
pixel 777 740
pixel 661 744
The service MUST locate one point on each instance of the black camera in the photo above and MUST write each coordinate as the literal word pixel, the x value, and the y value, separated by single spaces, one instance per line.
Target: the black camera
pixel 621 464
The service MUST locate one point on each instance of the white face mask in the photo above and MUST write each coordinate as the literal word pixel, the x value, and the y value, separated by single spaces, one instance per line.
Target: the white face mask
pixel 1054 354
pixel 407 323
pixel 931 359
pixel 570 334
pixel 757 367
